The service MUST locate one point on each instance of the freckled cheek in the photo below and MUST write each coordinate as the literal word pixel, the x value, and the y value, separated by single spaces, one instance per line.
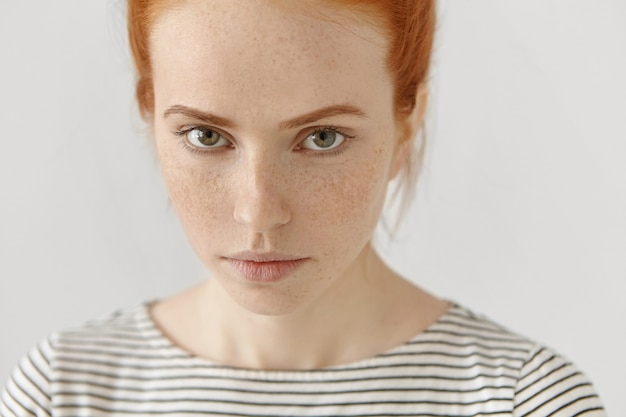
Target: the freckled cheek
pixel 200 197
pixel 347 200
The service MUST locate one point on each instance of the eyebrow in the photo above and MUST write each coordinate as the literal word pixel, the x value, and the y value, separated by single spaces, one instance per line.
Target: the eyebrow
pixel 323 113
pixel 204 117
pixel 314 116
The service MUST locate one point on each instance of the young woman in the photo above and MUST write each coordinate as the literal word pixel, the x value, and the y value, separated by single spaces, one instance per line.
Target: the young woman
pixel 278 126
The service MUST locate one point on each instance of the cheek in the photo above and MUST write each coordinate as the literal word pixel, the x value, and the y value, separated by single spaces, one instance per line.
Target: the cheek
pixel 348 201
pixel 198 194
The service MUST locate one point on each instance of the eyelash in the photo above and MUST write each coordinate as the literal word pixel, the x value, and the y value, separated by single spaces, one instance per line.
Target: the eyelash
pixel 335 151
pixel 182 132
pixel 184 143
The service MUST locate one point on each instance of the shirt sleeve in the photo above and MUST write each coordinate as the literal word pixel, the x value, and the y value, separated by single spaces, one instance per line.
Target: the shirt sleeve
pixel 549 385
pixel 27 393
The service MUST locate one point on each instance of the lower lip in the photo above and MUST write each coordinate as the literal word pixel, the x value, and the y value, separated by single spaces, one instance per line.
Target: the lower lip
pixel 265 271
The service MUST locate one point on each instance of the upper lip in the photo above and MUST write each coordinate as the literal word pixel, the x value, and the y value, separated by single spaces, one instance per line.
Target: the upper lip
pixel 251 256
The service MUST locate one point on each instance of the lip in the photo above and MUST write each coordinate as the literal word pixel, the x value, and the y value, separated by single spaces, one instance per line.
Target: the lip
pixel 264 267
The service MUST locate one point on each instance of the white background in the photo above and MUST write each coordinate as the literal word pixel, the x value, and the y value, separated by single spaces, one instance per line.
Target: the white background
pixel 521 211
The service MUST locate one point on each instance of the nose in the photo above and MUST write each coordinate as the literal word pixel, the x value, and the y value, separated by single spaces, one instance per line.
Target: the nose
pixel 261 198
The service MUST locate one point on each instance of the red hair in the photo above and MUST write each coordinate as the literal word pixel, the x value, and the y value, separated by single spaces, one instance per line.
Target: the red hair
pixel 410 25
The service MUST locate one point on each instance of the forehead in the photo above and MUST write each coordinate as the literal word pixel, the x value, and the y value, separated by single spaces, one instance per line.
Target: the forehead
pixel 216 50
pixel 251 16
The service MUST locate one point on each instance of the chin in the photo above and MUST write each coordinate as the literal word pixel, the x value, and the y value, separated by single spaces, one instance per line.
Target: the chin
pixel 268 300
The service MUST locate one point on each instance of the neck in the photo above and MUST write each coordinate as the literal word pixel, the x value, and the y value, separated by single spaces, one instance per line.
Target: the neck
pixel 326 332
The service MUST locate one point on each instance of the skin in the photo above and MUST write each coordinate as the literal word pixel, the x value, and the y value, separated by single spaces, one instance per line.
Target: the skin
pixel 253 65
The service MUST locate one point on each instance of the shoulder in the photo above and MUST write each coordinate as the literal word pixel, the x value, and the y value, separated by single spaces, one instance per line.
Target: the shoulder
pixel 464 332
pixel 543 381
pixel 550 384
pixel 27 392
pixel 101 347
pixel 107 345
pixel 118 328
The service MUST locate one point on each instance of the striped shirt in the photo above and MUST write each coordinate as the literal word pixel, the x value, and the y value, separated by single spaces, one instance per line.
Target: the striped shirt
pixel 462 365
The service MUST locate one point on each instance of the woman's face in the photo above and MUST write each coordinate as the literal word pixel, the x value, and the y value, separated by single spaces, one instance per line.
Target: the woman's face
pixel 276 134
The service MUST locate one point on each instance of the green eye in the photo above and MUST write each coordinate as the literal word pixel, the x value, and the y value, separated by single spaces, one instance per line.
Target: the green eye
pixel 323 140
pixel 206 138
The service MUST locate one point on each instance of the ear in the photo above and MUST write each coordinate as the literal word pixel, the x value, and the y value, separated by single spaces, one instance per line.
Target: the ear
pixel 408 128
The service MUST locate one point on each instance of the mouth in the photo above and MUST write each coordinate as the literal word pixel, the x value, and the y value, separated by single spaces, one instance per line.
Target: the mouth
pixel 264 267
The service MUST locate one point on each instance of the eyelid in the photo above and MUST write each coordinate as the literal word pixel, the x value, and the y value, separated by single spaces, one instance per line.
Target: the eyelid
pixel 304 135
pixel 184 130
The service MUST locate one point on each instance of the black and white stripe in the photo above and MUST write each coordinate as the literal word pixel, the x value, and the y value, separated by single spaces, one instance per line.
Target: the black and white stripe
pixel 463 365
